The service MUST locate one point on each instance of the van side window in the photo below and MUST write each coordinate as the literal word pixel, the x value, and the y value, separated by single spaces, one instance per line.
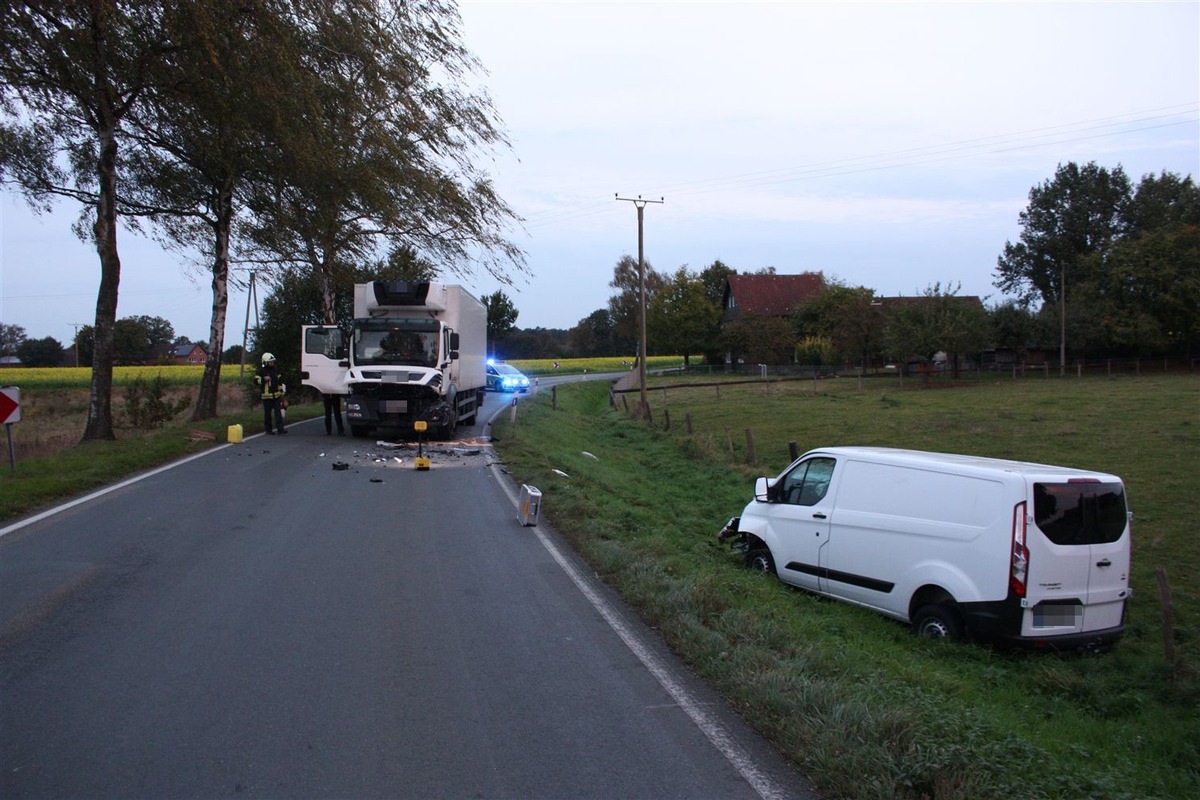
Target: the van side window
pixel 807 484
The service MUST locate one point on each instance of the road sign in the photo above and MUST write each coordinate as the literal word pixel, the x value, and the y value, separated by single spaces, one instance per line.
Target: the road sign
pixel 10 405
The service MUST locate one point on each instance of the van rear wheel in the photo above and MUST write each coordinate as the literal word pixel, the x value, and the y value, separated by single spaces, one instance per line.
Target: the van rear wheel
pixel 938 621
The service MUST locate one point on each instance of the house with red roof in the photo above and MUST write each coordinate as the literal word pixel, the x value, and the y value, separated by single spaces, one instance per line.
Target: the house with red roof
pixel 769 295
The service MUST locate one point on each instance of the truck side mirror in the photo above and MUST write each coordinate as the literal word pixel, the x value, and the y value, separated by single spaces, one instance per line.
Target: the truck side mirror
pixel 454 342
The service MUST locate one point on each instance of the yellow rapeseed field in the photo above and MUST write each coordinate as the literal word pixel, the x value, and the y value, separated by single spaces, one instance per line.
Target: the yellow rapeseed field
pixel 81 377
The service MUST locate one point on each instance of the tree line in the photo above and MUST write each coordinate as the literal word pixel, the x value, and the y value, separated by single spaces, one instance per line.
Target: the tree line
pixel 1102 268
pixel 282 136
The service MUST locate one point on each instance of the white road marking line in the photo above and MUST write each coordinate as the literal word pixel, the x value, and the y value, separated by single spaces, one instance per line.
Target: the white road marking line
pixel 708 725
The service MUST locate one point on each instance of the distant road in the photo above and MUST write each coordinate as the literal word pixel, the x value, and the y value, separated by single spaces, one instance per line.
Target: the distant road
pixel 258 623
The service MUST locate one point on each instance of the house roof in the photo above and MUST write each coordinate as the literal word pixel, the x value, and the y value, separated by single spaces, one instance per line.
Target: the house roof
pixel 771 295
pixel 917 300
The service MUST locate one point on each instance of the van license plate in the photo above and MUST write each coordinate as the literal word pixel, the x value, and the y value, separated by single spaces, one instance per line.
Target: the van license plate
pixel 394 406
pixel 1057 616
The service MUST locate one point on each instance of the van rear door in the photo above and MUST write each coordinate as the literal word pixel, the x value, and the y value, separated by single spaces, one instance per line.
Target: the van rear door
pixel 1079 557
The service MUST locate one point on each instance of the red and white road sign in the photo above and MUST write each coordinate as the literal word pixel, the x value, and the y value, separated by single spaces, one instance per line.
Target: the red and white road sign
pixel 10 405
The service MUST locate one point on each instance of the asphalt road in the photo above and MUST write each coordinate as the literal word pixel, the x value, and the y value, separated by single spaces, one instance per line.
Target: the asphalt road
pixel 256 623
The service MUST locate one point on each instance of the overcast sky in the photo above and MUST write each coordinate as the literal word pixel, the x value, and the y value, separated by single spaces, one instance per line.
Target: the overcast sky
pixel 890 145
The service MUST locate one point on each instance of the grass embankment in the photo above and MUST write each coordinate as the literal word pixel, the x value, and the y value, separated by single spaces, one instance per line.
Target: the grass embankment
pixel 862 706
pixel 51 464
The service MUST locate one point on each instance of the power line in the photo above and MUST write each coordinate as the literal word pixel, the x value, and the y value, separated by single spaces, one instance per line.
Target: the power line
pixel 1102 127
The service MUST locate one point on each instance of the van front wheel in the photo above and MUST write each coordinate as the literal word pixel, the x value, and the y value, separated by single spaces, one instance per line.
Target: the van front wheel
pixel 759 559
pixel 938 622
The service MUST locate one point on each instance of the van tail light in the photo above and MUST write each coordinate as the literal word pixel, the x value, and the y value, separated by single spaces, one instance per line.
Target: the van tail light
pixel 1020 553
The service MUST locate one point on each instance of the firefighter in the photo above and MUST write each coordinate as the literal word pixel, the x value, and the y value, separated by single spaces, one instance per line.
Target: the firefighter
pixel 274 394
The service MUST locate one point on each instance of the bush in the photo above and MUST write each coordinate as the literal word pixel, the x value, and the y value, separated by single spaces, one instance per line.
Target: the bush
pixel 146 405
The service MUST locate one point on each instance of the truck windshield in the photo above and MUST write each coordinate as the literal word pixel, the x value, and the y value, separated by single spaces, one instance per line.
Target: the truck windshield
pixel 410 343
pixel 1080 513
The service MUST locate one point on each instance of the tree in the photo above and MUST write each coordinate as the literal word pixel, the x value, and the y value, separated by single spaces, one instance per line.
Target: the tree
pixel 625 305
pixel 939 320
pixel 501 317
pixel 390 153
pixel 594 335
pixel 713 278
pixel 46 352
pixel 849 318
pixel 1146 287
pixel 233 354
pixel 231 90
pixel 69 75
pixel 682 319
pixel 1015 327
pixel 11 337
pixel 1077 214
pixel 755 339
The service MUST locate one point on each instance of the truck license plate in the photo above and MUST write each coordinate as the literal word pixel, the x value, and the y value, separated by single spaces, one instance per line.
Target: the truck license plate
pixel 394 406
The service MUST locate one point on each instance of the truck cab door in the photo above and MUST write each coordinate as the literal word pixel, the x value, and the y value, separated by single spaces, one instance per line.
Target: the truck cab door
pixel 323 363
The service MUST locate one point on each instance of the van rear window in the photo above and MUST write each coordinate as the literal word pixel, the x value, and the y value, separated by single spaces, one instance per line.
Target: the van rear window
pixel 1080 513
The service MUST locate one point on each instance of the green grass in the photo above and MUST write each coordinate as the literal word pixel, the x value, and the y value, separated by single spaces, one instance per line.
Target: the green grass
pixel 864 708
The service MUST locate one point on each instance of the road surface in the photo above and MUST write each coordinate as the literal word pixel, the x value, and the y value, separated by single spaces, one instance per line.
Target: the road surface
pixel 255 622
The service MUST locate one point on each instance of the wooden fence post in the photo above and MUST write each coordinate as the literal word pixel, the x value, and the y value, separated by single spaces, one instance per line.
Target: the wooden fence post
pixel 688 419
pixel 554 398
pixel 666 419
pixel 793 451
pixel 750 459
pixel 648 413
pixel 625 403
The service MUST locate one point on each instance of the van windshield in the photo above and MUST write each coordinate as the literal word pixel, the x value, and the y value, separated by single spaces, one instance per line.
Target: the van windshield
pixel 1080 513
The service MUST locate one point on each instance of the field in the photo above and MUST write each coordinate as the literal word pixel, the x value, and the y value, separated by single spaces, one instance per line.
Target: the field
pixel 859 704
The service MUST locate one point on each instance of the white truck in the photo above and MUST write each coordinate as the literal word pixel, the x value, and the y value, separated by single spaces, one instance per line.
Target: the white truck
pixel 414 351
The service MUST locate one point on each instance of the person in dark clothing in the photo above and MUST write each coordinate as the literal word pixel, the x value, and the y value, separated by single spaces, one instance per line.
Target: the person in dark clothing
pixel 271 390
pixel 333 410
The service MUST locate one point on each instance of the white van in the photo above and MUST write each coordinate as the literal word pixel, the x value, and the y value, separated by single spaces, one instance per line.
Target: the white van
pixel 1027 553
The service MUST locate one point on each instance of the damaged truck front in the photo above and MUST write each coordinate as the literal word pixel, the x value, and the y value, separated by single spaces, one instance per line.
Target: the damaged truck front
pixel 414 351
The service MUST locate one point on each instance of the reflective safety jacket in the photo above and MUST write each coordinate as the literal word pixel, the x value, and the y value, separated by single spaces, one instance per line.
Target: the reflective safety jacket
pixel 269 385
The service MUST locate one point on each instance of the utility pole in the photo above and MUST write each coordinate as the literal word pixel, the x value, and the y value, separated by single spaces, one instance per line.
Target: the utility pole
pixel 641 205
pixel 251 300
pixel 75 341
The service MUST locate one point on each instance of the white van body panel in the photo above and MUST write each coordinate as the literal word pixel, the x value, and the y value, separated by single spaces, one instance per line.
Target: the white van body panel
pixel 898 529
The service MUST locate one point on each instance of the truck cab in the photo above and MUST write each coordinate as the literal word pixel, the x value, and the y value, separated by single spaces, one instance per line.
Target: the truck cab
pixel 403 358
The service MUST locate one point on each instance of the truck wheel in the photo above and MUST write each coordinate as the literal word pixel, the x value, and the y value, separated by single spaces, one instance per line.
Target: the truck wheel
pixel 938 621
pixel 759 559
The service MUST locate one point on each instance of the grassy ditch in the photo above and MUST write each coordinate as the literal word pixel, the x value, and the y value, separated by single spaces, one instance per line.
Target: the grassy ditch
pixel 863 707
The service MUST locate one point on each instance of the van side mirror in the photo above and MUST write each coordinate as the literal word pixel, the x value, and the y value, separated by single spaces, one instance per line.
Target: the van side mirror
pixel 762 490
